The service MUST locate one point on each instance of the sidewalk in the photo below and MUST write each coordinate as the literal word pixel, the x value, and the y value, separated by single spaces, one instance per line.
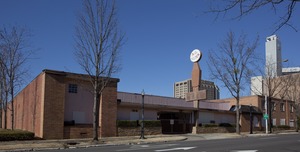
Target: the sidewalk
pixel 34 145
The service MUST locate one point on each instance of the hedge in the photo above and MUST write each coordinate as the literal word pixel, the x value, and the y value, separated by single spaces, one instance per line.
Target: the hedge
pixel 226 125
pixel 210 125
pixel 8 135
pixel 216 125
pixel 285 127
pixel 137 123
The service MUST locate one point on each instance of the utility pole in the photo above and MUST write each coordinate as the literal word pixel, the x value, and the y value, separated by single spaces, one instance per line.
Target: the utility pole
pixel 266 113
pixel 251 124
pixel 142 126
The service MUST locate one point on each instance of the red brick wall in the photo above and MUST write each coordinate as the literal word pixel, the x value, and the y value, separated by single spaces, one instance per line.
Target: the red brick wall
pixel 40 107
pixel 78 131
pixel 136 131
pixel 245 122
pixel 254 100
pixel 286 114
pixel 54 106
pixel 108 111
pixel 27 105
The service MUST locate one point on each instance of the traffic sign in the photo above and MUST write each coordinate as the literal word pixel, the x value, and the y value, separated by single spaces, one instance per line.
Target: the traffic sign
pixel 266 116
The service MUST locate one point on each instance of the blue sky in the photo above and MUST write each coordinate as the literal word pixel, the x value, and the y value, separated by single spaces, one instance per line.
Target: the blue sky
pixel 160 35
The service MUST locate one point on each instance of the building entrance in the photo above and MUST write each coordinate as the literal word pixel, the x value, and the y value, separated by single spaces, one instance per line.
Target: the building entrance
pixel 175 122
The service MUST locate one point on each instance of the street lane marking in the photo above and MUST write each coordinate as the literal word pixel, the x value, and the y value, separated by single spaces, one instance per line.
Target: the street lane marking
pixel 173 149
pixel 144 147
pixel 268 138
pixel 244 151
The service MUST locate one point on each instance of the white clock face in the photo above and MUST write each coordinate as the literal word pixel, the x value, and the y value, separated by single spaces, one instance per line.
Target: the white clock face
pixel 195 55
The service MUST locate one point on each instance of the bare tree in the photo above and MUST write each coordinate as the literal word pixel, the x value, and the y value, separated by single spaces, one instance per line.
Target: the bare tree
pixel 4 87
pixel 286 84
pixel 98 42
pixel 231 65
pixel 274 87
pixel 246 7
pixel 293 94
pixel 1 89
pixel 14 54
pixel 271 86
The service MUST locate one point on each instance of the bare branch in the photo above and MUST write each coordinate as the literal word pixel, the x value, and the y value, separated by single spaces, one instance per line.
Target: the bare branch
pixel 98 42
pixel 231 65
pixel 246 7
pixel 15 52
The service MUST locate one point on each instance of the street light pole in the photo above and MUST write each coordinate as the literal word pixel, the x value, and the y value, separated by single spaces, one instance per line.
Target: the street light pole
pixel 251 128
pixel 142 126
pixel 268 111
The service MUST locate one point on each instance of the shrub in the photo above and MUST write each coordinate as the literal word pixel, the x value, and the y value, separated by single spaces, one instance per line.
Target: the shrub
pixel 284 127
pixel 127 123
pixel 152 123
pixel 137 123
pixel 225 125
pixel 8 135
pixel 210 125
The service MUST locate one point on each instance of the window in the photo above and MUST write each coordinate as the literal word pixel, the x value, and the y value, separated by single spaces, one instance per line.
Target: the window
pixel 282 121
pixel 274 122
pixel 263 105
pixel 291 122
pixel 291 108
pixel 72 88
pixel 273 105
pixel 282 108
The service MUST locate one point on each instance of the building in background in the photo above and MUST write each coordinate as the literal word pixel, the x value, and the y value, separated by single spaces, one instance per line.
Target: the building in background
pixel 273 56
pixel 183 87
pixel 290 70
pixel 257 85
pixel 283 112
pixel 273 66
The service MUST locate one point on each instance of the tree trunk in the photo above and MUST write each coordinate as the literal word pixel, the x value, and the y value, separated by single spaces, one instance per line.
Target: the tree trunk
pixel 237 116
pixel 1 111
pixel 96 112
pixel 296 123
pixel 12 108
pixel 5 118
pixel 5 110
pixel 270 114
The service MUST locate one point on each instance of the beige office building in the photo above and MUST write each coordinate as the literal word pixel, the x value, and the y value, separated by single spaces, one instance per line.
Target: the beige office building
pixel 183 87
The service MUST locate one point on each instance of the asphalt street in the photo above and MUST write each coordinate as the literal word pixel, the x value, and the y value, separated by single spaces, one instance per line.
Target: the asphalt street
pixel 276 143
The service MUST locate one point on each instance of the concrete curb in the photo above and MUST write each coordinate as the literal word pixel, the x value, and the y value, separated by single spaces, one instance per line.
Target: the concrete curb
pixel 87 143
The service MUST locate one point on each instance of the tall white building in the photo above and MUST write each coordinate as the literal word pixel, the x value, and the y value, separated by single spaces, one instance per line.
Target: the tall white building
pixel 273 66
pixel 257 85
pixel 273 56
pixel 183 87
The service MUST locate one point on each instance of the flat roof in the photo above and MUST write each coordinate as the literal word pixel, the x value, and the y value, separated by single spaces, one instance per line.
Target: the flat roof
pixel 169 102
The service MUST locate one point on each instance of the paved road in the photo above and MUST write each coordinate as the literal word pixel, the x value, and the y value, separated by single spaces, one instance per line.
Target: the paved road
pixel 276 143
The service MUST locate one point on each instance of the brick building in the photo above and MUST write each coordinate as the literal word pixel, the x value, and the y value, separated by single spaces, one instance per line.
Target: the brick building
pixel 55 99
pixel 283 112
pixel 58 105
